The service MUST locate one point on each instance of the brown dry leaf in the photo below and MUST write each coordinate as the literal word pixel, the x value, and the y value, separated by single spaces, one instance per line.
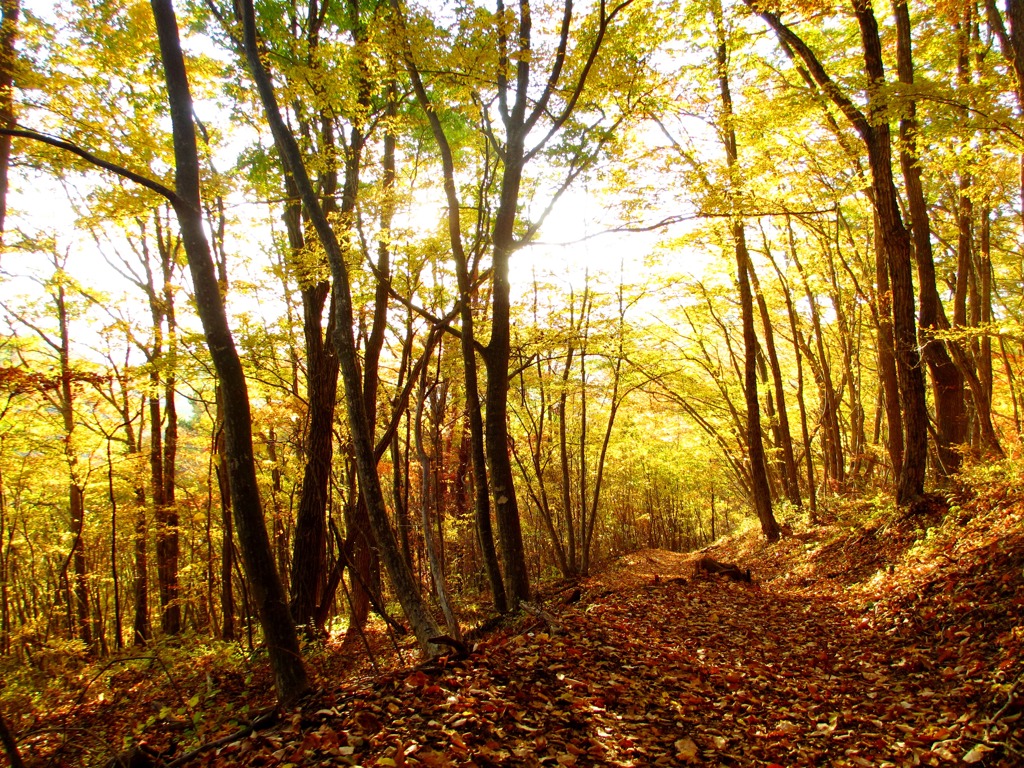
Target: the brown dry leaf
pixel 686 749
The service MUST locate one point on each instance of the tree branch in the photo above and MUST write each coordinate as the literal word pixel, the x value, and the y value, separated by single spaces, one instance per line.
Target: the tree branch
pixel 89 157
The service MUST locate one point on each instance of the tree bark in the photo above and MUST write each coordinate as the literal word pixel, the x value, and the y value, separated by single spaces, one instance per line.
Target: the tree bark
pixel 278 628
pixel 429 502
pixel 167 541
pixel 402 580
pixel 812 493
pixel 947 381
pixel 227 544
pixel 760 488
pixel 896 242
pixel 10 744
pixel 11 10
pixel 892 235
pixel 469 347
pixel 496 358
pixel 76 487
pixel 886 356
pixel 309 554
pixel 791 479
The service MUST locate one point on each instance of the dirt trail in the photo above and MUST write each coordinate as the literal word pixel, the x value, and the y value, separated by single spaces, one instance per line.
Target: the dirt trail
pixel 852 647
pixel 753 674
pixel 676 670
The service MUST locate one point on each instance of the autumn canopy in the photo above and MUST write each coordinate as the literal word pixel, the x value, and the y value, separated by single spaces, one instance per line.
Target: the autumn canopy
pixel 328 318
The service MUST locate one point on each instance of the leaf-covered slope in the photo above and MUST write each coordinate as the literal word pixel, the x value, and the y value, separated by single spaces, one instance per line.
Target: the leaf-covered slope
pixel 895 643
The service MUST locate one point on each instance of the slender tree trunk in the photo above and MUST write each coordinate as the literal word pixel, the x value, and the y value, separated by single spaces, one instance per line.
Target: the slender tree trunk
pixel 227 544
pixel 585 308
pixel 761 489
pixel 503 492
pixel 467 337
pixel 812 493
pixel 309 554
pixel 791 479
pixel 985 302
pixel 429 501
pixel 278 628
pixel 615 401
pixel 76 486
pixel 308 576
pixel 168 544
pixel 885 351
pixel 11 10
pixel 10 744
pixel 897 246
pixel 114 574
pixel 140 576
pixel 365 557
pixel 832 433
pixel 947 381
pixel 571 568
pixel 892 235
pixel 420 619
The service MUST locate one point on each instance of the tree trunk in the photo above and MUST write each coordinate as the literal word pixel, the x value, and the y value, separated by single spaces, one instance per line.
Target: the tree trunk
pixel 790 475
pixel 503 492
pixel 11 10
pixel 831 430
pixel 571 567
pixel 114 573
pixel 467 337
pixel 812 493
pixel 10 744
pixel 227 545
pixel 885 352
pixel 278 628
pixel 365 557
pixel 309 553
pixel 896 244
pixel 402 579
pixel 140 575
pixel 428 502
pixel 947 381
pixel 892 235
pixel 76 488
pixel 761 491
pixel 168 546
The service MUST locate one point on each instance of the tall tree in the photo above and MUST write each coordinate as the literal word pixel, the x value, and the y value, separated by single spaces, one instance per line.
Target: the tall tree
pixel 873 128
pixel 423 624
pixel 762 497
pixel 947 380
pixel 279 630
pixel 522 108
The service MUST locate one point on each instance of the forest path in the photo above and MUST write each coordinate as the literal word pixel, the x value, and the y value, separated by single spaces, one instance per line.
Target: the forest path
pixel 890 644
pixel 731 673
pixel 641 671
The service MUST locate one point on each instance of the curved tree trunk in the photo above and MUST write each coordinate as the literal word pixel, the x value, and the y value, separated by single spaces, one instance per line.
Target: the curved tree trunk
pixel 278 628
pixel 423 624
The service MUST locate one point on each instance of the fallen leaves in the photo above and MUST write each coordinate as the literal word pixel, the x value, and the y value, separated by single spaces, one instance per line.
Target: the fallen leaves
pixel 862 648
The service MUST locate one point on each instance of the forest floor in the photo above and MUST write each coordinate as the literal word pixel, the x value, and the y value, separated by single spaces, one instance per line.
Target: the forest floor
pixel 895 640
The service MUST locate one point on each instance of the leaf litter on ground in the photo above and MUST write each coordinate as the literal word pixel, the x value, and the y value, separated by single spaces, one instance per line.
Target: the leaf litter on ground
pixel 895 643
